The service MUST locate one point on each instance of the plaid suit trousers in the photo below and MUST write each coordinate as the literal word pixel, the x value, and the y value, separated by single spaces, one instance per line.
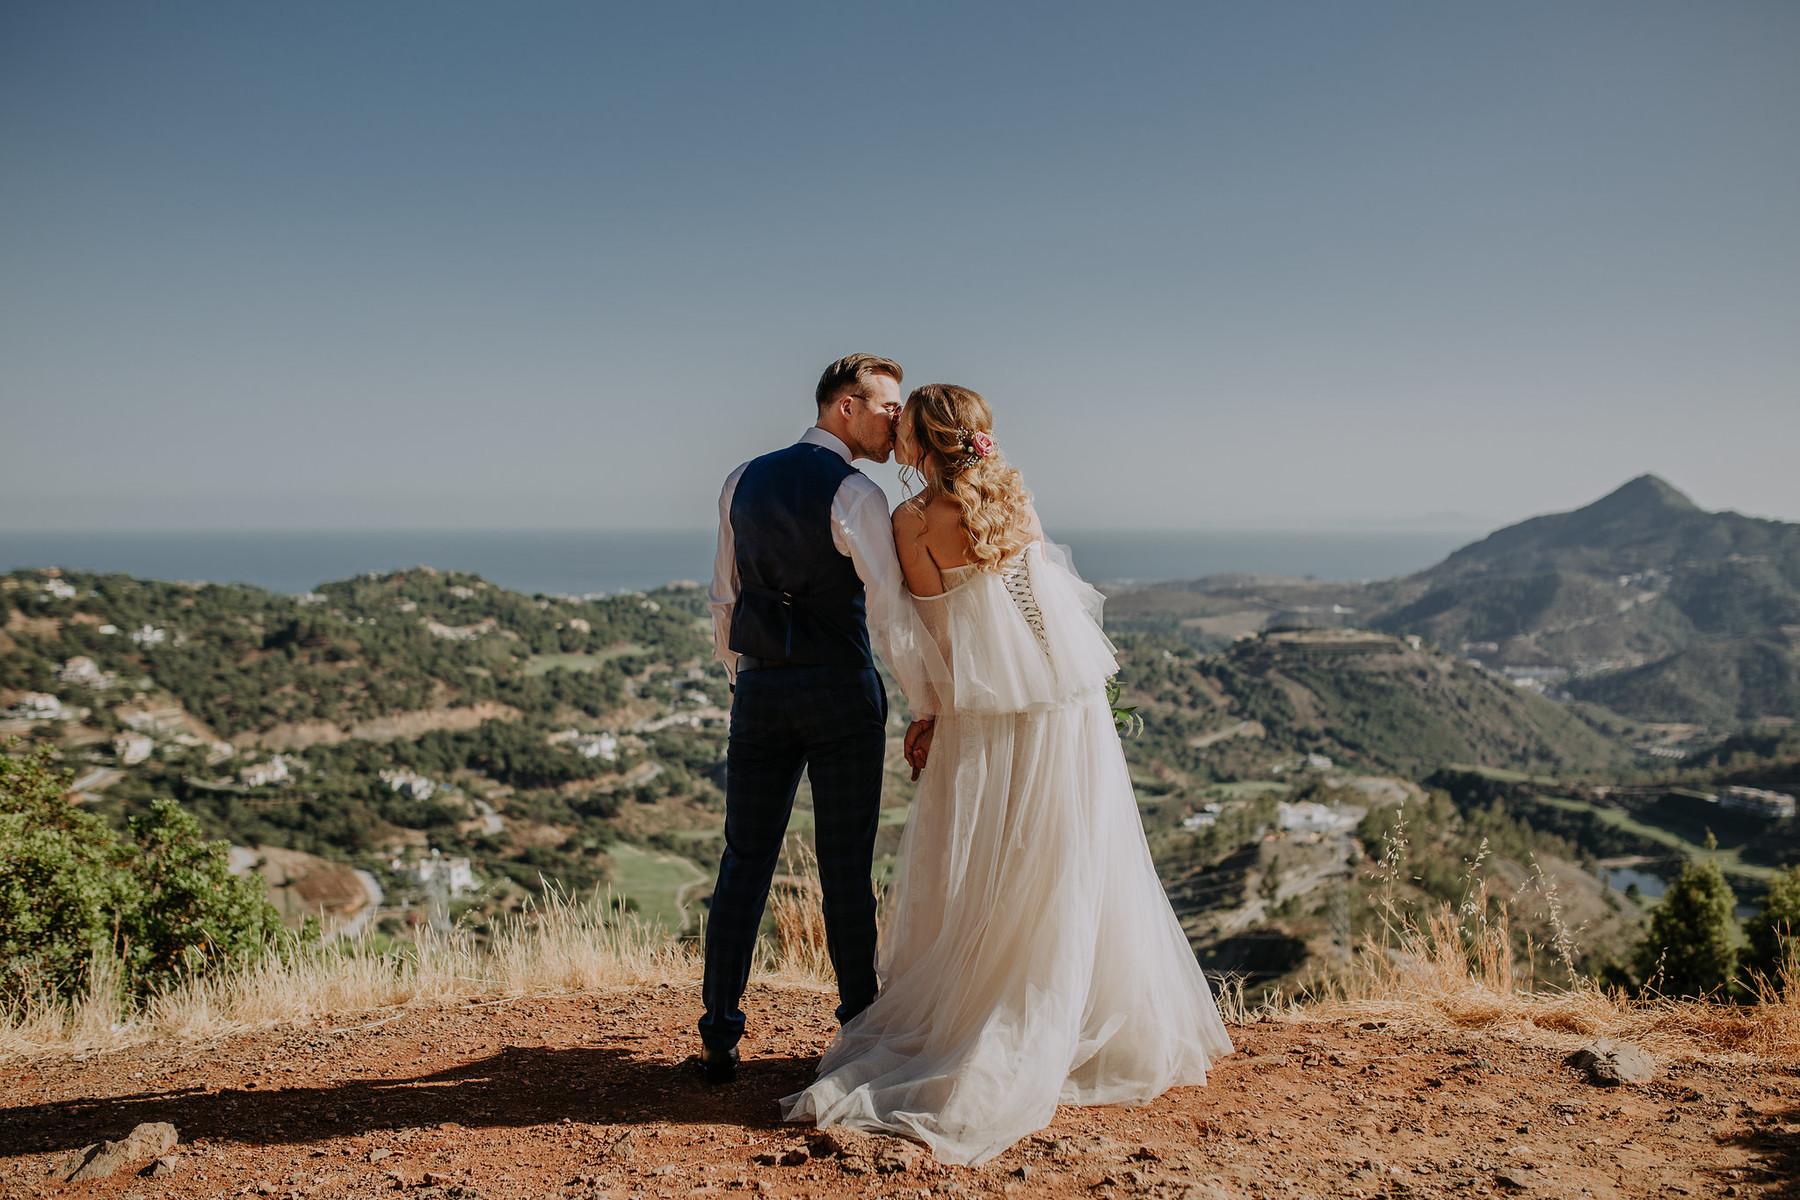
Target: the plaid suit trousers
pixel 830 722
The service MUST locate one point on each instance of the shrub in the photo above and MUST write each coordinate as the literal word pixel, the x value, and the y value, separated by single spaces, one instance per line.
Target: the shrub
pixel 63 879
pixel 191 913
pixel 162 900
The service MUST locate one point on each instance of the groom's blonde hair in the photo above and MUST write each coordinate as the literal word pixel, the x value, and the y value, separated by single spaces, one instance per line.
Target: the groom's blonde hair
pixel 851 370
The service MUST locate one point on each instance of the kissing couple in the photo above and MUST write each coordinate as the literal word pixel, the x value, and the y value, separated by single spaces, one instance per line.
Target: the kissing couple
pixel 1030 956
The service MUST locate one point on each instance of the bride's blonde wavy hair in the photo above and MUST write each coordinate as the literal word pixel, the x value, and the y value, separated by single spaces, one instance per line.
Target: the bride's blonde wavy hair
pixel 943 420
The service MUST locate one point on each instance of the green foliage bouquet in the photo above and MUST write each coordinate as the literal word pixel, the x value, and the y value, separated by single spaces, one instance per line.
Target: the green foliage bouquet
pixel 1125 716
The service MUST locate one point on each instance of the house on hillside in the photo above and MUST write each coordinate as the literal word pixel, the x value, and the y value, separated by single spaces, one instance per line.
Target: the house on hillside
pixel 409 783
pixel 167 718
pixel 42 706
pixel 1777 806
pixel 83 670
pixel 600 745
pixel 1310 817
pixel 456 874
pixel 133 748
pixel 263 774
pixel 604 745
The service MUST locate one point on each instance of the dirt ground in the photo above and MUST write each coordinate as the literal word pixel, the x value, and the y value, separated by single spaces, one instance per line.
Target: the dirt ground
pixel 595 1096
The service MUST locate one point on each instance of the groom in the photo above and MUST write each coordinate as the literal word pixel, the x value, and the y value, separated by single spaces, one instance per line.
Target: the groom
pixel 805 564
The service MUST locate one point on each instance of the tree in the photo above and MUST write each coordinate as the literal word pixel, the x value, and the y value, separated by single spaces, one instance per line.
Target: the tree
pixel 1775 929
pixel 1689 950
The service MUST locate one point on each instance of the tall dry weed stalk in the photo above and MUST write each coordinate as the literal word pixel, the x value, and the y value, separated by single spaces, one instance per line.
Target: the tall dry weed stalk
pixel 796 903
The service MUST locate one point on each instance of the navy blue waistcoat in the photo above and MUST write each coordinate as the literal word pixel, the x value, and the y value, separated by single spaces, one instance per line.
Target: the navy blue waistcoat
pixel 799 600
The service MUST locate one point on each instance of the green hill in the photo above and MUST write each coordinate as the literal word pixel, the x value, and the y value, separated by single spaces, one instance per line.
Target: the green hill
pixel 1367 700
pixel 1720 684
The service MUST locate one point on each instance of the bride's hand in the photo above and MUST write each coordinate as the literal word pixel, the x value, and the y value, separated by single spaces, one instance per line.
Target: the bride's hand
pixel 918 744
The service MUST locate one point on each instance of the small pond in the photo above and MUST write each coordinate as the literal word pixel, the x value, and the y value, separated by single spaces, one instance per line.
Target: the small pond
pixel 1651 886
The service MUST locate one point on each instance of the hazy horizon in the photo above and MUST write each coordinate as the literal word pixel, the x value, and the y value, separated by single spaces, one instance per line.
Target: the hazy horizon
pixel 576 562
pixel 885 474
pixel 1299 265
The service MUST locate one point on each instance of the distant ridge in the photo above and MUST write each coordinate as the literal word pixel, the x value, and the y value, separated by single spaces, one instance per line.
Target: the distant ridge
pixel 1642 601
pixel 1645 524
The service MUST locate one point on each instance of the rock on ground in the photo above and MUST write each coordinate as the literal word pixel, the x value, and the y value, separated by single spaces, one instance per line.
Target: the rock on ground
pixel 1610 1064
pixel 149 1140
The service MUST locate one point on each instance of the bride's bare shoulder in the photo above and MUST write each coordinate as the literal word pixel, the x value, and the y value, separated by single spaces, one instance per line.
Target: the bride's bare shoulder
pixel 919 518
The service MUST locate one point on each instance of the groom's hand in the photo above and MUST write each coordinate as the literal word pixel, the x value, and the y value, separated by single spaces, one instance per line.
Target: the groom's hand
pixel 918 744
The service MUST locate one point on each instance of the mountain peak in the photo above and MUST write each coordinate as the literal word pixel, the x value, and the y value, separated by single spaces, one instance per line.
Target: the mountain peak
pixel 1645 494
pixel 1634 526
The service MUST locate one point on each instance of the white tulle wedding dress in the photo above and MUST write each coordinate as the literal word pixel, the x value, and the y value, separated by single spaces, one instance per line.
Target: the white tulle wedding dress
pixel 1030 957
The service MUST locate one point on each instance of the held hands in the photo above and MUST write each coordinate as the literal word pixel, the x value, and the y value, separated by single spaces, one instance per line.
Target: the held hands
pixel 918 744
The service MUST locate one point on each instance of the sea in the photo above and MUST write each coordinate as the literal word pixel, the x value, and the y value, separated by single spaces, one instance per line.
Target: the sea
pixel 593 563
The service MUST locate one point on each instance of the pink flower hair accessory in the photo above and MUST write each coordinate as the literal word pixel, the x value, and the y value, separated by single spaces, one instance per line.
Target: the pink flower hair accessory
pixel 976 445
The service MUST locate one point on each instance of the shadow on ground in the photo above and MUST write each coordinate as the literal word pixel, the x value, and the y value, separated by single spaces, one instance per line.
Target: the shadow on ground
pixel 1777 1145
pixel 520 1086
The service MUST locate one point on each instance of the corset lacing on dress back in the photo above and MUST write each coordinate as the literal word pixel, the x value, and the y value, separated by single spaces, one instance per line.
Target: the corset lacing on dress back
pixel 1016 575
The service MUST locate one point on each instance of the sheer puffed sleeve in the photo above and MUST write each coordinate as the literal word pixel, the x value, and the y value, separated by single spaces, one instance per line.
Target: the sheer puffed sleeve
pixel 934 655
pixel 1090 597
pixel 864 531
pixel 1024 638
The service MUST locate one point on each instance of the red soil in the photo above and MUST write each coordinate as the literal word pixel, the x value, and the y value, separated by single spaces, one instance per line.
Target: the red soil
pixel 594 1096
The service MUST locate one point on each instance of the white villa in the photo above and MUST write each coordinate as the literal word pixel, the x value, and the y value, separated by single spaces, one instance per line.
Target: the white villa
pixel 589 745
pixel 1309 817
pixel 83 670
pixel 263 774
pixel 42 706
pixel 1775 805
pixel 133 748
pixel 457 873
pixel 414 785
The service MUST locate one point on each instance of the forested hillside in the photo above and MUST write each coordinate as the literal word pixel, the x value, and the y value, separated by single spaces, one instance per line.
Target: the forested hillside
pixel 380 717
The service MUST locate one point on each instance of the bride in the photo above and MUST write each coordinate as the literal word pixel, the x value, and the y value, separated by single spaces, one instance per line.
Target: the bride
pixel 1030 956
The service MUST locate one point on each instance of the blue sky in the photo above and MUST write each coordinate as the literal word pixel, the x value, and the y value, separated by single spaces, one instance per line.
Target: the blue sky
pixel 386 265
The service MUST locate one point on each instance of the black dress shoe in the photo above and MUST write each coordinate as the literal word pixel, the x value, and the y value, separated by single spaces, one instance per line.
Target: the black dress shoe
pixel 719 1066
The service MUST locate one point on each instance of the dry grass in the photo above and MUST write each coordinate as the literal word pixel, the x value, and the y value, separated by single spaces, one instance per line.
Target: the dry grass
pixel 796 904
pixel 560 946
pixel 1455 968
pixel 1433 980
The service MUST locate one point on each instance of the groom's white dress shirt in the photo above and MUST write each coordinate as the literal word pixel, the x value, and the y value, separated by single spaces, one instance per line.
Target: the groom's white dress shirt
pixel 861 529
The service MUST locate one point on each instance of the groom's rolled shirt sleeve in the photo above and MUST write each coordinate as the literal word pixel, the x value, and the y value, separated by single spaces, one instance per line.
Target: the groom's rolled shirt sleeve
pixel 722 595
pixel 862 528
